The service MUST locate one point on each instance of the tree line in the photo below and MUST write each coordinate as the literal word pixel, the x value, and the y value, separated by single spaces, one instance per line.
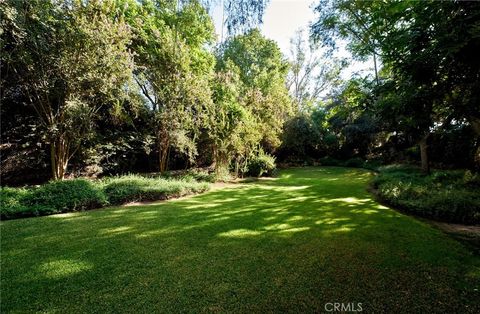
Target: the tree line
pixel 110 83
pixel 422 101
pixel 114 86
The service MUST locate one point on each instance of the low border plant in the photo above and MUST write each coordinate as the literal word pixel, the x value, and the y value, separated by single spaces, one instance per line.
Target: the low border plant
pixel 82 194
pixel 445 195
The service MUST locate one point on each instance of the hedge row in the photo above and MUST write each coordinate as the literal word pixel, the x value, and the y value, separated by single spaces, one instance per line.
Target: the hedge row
pixel 81 194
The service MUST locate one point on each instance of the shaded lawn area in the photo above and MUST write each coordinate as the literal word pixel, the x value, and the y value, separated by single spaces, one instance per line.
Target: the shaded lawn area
pixel 312 236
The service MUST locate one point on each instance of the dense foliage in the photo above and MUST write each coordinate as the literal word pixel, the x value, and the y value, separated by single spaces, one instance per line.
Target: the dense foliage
pixel 445 195
pixel 429 79
pixel 262 164
pixel 136 188
pixel 105 87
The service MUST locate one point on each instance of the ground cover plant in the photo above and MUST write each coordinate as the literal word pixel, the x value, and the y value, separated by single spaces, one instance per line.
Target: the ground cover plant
pixel 291 244
pixel 447 195
pixel 137 188
pixel 83 194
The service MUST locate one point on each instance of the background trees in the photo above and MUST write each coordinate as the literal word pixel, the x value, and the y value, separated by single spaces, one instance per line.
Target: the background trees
pixel 420 49
pixel 103 80
pixel 310 75
pixel 92 87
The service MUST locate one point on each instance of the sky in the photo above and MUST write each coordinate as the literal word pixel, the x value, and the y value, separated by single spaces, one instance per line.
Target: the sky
pixel 282 19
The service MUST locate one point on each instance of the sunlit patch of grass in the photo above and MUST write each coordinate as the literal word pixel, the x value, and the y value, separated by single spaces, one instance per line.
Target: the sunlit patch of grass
pixel 115 230
pixel 312 236
pixel 239 233
pixel 63 268
pixel 292 230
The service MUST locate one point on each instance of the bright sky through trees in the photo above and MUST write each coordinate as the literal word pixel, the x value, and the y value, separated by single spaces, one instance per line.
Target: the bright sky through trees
pixel 282 19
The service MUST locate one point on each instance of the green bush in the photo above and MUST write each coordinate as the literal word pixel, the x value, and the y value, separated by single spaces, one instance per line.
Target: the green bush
pixel 11 204
pixel 471 180
pixel 354 162
pixel 223 174
pixel 372 164
pixel 63 196
pixel 329 161
pixel 82 194
pixel 202 175
pixel 262 164
pixel 134 188
pixel 53 197
pixel 444 195
pixel 194 174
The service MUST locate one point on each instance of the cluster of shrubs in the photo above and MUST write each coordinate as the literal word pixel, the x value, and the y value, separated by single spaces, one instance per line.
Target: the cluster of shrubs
pixel 193 174
pixel 446 195
pixel 262 164
pixel 355 162
pixel 83 194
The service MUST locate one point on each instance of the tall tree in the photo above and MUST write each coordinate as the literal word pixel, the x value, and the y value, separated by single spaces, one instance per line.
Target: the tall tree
pixel 263 72
pixel 239 16
pixel 174 69
pixel 311 74
pixel 68 58
pixel 233 130
pixel 362 23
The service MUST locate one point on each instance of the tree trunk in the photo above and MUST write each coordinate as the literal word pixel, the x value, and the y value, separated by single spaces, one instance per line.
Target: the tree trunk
pixel 220 161
pixel 59 157
pixel 475 122
pixel 375 65
pixel 424 154
pixel 163 152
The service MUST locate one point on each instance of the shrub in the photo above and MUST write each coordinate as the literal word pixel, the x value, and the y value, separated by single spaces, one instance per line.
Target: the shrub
pixel 372 164
pixel 443 195
pixel 261 164
pixel 202 175
pixel 134 188
pixel 195 174
pixel 222 174
pixel 11 204
pixel 82 194
pixel 354 162
pixel 329 161
pixel 62 196
pixel 471 180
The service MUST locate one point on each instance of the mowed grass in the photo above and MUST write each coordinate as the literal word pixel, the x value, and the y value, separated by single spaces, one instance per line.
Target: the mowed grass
pixel 292 244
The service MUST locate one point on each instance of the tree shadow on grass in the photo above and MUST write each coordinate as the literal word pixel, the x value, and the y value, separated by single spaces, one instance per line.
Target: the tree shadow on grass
pixel 309 237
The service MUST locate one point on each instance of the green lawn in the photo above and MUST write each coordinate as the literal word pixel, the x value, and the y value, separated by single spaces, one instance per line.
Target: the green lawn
pixel 312 236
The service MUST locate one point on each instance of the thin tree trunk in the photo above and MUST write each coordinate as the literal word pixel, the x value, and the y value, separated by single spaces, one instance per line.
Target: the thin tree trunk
pixel 424 154
pixel 475 122
pixel 375 65
pixel 53 161
pixel 163 151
